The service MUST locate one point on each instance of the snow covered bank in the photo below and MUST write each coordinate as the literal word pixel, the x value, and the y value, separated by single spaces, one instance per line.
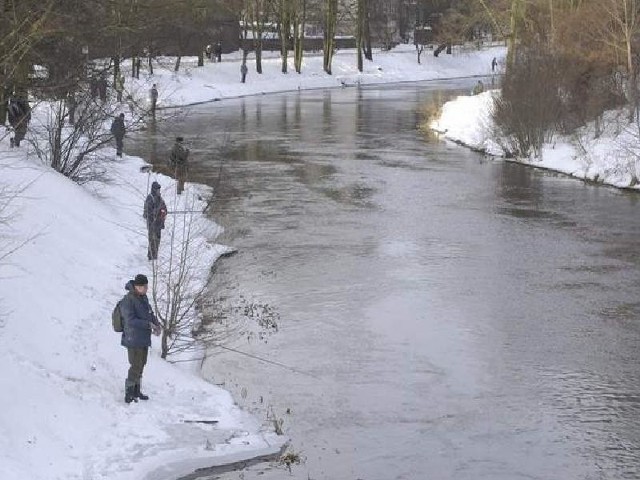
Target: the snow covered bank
pixel 216 81
pixel 62 414
pixel 613 158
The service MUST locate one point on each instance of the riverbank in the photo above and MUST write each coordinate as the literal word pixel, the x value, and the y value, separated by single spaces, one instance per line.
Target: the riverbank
pixel 218 81
pixel 71 249
pixel 610 158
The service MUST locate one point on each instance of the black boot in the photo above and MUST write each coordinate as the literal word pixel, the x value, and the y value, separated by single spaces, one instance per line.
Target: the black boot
pixel 139 394
pixel 130 394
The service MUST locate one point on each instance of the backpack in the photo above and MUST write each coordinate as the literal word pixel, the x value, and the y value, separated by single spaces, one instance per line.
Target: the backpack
pixel 116 317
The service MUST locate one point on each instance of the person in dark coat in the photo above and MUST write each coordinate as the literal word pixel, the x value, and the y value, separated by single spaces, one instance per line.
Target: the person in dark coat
pixel 178 162
pixel 494 64
pixel 102 88
pixel 118 130
pixel 139 322
pixel 19 116
pixel 155 212
pixel 243 71
pixel 218 51
pixel 154 99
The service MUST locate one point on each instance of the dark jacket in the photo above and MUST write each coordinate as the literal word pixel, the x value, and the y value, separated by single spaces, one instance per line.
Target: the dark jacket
pixel 19 114
pixel 137 317
pixel 179 156
pixel 155 211
pixel 117 127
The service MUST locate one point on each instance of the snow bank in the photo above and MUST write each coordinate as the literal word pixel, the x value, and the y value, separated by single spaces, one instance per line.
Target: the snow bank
pixel 611 158
pixel 62 414
pixel 216 81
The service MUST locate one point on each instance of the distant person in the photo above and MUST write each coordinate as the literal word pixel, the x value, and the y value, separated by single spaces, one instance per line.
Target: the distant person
pixel 119 86
pixel 154 99
pixel 243 71
pixel 178 159
pixel 218 51
pixel 139 322
pixel 479 88
pixel 118 131
pixel 93 86
pixel 72 105
pixel 155 212
pixel 19 116
pixel 102 89
pixel 209 53
pixel 494 64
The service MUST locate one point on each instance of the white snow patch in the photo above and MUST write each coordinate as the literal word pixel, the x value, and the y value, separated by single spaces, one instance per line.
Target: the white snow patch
pixel 213 81
pixel 611 158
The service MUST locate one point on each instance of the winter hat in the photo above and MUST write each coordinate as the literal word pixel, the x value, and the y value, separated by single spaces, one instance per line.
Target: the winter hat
pixel 140 280
pixel 155 186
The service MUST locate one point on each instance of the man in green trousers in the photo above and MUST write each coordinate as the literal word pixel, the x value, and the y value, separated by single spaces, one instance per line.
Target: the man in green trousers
pixel 139 322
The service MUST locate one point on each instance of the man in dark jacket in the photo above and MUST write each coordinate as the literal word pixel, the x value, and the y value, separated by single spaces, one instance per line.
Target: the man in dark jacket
pixel 19 113
pixel 118 130
pixel 139 322
pixel 178 161
pixel 155 211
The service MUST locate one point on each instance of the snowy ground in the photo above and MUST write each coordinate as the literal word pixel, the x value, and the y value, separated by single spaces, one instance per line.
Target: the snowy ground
pixel 612 158
pixel 62 414
pixel 222 80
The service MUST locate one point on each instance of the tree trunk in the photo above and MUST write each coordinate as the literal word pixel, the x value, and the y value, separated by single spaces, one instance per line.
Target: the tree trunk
pixel 515 16
pixel 257 34
pixel 360 34
pixel 285 31
pixel 300 23
pixel 116 68
pixel 331 18
pixel 164 349
pixel 368 50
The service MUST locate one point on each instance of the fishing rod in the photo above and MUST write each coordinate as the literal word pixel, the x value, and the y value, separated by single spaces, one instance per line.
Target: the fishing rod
pixel 255 357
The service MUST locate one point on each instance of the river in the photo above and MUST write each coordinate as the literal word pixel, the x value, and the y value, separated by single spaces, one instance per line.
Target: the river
pixel 437 314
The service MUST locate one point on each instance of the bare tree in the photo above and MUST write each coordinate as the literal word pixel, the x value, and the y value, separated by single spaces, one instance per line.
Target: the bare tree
pixel 178 286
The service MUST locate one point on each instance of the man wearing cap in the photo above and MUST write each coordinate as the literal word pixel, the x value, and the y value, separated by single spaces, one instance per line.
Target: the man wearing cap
pixel 178 161
pixel 118 130
pixel 139 322
pixel 155 211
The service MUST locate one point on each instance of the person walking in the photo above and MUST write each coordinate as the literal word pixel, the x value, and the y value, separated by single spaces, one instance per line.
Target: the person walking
pixel 102 88
pixel 119 86
pixel 178 161
pixel 155 212
pixel 118 130
pixel 218 52
pixel 154 99
pixel 243 71
pixel 139 322
pixel 19 116
pixel 494 64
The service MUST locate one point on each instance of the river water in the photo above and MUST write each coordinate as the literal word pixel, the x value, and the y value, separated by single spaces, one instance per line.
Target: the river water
pixel 447 316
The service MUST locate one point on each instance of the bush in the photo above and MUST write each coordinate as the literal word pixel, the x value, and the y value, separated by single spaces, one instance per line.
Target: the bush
pixel 528 111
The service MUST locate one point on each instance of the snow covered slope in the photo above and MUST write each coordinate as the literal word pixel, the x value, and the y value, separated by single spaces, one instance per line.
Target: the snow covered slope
pixel 612 158
pixel 62 414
